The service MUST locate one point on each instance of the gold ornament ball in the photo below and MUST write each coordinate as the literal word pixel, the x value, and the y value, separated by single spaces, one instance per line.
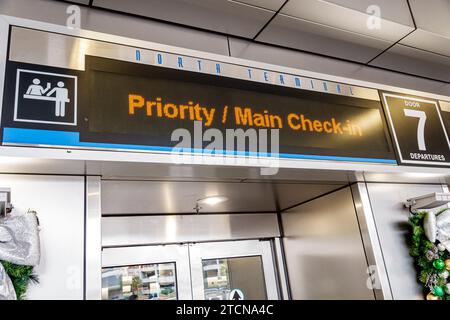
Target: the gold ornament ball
pixel 431 296
pixel 447 264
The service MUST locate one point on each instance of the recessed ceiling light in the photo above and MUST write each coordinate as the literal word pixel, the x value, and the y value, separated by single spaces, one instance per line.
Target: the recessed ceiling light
pixel 213 200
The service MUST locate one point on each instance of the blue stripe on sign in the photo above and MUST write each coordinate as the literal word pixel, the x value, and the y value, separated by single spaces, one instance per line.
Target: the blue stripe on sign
pixel 72 139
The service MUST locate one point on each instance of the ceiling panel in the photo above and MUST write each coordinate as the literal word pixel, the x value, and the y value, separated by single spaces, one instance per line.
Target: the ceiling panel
pixel 339 28
pixel 225 16
pixel 395 19
pixel 395 11
pixel 425 40
pixel 433 16
pixel 433 26
pixel 267 4
pixel 122 197
pixel 305 35
pixel 415 61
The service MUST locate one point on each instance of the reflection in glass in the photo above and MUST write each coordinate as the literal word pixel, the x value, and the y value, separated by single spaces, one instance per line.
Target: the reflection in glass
pixel 142 282
pixel 220 276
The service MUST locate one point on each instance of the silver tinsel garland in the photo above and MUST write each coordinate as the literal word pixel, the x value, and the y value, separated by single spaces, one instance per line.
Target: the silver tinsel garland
pixel 19 244
pixel 6 287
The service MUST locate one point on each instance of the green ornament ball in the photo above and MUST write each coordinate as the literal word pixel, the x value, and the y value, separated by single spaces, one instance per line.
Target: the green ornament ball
pixel 439 264
pixel 438 291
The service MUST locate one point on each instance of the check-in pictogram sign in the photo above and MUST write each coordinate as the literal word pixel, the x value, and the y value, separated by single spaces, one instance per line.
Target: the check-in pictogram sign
pixel 43 97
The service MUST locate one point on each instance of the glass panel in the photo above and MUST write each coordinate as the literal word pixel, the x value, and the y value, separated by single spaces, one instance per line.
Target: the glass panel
pixel 221 276
pixel 142 282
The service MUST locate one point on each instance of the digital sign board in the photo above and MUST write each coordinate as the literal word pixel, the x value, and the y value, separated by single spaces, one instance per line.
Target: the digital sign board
pixel 122 105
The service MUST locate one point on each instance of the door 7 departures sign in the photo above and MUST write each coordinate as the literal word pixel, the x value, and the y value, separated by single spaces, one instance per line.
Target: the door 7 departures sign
pixel 418 130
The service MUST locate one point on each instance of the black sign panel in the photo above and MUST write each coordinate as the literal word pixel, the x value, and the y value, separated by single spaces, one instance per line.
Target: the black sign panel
pixel 123 105
pixel 418 129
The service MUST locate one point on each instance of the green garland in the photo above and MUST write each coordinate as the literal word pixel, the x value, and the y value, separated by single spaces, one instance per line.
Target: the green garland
pixel 429 258
pixel 20 276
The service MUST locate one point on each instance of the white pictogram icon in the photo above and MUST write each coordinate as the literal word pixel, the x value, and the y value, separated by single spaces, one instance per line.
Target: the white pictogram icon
pixel 61 97
pixel 36 89
pixel 45 97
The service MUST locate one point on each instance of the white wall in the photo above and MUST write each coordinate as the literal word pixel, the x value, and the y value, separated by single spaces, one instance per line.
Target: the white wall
pixel 59 202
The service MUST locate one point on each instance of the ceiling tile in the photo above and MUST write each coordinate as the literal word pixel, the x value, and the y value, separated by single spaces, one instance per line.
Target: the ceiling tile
pixel 415 61
pixel 304 35
pixel 351 16
pixel 155 31
pixel 429 41
pixel 225 16
pixel 395 11
pixel 308 61
pixel 432 16
pixel 433 26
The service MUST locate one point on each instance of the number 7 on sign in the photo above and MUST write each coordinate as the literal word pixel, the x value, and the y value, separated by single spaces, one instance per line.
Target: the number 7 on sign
pixel 420 126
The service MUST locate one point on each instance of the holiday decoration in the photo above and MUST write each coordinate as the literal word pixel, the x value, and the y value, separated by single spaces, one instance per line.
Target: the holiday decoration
pixel 439 264
pixel 7 291
pixel 20 276
pixel 19 239
pixel 438 291
pixel 429 226
pixel 19 253
pixel 431 296
pixel 437 227
pixel 430 243
pixel 447 264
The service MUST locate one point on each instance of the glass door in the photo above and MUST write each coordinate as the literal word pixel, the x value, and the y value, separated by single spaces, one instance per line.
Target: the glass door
pixel 146 273
pixel 233 270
